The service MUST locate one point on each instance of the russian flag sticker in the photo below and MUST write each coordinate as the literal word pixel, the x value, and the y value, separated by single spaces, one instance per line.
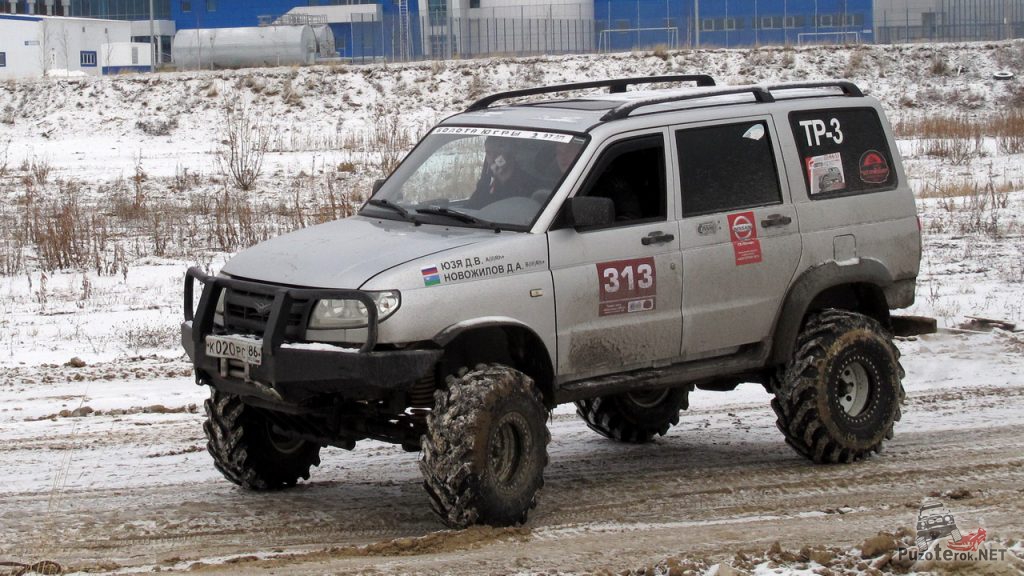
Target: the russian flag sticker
pixel 430 276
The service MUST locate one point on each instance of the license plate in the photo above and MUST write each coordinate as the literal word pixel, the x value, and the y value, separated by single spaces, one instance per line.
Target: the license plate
pixel 243 349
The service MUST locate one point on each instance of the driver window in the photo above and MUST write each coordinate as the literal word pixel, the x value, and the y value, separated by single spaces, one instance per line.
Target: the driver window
pixel 451 173
pixel 632 174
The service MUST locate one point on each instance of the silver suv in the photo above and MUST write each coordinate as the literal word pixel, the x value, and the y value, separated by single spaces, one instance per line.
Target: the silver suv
pixel 614 250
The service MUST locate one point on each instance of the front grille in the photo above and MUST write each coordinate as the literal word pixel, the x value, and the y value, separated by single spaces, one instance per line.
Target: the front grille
pixel 247 312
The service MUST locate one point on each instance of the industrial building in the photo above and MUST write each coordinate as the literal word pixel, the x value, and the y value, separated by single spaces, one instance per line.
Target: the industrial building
pixel 34 46
pixel 372 30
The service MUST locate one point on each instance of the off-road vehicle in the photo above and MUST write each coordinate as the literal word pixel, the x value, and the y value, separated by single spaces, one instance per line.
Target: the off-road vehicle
pixel 612 249
pixel 934 521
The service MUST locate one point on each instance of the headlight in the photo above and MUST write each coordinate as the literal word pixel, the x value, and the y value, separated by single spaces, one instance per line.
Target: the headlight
pixel 339 314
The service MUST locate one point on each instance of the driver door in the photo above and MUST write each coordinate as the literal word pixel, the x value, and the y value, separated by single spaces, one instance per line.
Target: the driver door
pixel 618 288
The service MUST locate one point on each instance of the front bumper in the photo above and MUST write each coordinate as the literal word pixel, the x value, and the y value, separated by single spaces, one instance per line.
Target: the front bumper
pixel 288 373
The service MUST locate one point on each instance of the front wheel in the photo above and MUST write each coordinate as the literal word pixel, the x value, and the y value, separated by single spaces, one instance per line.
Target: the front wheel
pixel 486 448
pixel 250 450
pixel 840 395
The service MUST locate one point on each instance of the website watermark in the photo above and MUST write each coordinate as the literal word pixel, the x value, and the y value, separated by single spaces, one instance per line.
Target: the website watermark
pixel 939 538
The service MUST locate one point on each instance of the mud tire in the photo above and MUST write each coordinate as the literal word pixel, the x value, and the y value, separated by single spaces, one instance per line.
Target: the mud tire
pixel 634 417
pixel 485 448
pixel 248 452
pixel 810 390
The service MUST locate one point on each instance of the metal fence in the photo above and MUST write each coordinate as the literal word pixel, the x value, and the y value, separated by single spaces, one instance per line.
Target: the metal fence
pixel 607 25
pixel 952 21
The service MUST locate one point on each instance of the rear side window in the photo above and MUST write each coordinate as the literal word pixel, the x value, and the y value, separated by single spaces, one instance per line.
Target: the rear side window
pixel 726 167
pixel 843 152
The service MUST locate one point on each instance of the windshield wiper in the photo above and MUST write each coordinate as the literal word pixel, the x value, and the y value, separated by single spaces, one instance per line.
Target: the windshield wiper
pixel 405 214
pixel 460 216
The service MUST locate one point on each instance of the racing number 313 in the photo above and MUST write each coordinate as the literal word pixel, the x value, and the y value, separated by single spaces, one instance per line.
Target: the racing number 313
pixel 629 277
pixel 627 286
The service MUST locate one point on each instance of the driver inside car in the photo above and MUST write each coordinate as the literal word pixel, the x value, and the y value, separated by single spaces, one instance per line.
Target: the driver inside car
pixel 501 176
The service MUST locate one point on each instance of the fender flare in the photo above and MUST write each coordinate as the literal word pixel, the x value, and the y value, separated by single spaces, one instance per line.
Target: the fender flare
pixel 445 337
pixel 808 286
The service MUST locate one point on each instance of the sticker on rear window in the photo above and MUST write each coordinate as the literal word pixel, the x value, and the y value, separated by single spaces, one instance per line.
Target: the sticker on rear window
pixel 627 286
pixel 825 173
pixel 873 167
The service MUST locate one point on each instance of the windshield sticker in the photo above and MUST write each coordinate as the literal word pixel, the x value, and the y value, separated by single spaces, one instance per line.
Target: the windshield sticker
pixel 430 276
pixel 627 286
pixel 743 232
pixel 504 133
pixel 873 167
pixel 825 173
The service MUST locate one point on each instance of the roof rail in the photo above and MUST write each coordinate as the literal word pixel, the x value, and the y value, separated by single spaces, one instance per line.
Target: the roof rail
pixel 614 85
pixel 761 95
pixel 848 88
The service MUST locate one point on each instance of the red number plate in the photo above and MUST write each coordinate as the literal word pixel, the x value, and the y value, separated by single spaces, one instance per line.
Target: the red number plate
pixel 627 286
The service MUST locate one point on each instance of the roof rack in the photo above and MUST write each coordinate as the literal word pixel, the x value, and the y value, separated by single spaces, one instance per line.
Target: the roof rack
pixel 848 88
pixel 614 85
pixel 761 95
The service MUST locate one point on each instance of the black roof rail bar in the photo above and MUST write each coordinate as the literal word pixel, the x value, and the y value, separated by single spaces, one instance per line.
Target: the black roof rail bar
pixel 614 85
pixel 761 95
pixel 848 88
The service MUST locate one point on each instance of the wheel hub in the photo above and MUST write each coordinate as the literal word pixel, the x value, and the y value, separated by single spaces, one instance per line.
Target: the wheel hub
pixel 283 443
pixel 854 388
pixel 507 447
pixel 648 398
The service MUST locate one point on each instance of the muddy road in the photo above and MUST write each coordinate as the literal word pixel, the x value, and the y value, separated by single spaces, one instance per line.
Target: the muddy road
pixel 128 488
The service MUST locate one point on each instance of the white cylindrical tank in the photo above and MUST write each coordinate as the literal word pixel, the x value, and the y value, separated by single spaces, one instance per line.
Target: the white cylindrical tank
pixel 244 47
pixel 325 41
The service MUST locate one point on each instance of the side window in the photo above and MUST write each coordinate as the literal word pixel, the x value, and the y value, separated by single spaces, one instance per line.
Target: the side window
pixel 3 59
pixel 632 174
pixel 727 167
pixel 843 152
pixel 87 59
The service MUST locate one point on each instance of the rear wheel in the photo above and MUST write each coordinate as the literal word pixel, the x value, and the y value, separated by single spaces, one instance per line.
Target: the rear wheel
pixel 250 450
pixel 486 448
pixel 634 417
pixel 840 395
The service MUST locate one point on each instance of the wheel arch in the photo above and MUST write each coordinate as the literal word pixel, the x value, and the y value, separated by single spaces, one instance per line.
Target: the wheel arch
pixel 498 339
pixel 858 288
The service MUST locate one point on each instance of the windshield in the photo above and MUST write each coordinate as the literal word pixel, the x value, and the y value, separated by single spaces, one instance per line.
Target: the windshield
pixel 480 177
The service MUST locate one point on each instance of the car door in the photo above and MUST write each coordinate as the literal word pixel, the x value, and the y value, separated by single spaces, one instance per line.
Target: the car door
pixel 738 230
pixel 617 288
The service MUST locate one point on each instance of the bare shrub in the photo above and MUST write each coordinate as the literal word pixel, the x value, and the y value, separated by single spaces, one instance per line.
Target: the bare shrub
pixel 183 180
pixel 660 51
pixel 939 66
pixel 388 140
pixel 157 126
pixel 5 146
pixel 135 336
pixel 855 63
pixel 40 170
pixel 244 142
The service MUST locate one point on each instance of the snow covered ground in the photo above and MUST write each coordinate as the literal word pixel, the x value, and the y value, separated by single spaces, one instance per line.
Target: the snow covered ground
pixel 102 461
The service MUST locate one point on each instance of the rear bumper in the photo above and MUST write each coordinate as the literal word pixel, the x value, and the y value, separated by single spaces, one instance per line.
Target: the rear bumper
pixel 295 373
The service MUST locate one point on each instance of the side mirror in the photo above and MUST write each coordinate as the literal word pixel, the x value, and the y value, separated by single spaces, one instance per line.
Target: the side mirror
pixel 589 211
pixel 376 185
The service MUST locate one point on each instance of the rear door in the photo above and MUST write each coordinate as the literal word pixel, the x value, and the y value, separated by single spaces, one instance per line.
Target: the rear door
pixel 740 238
pixel 617 288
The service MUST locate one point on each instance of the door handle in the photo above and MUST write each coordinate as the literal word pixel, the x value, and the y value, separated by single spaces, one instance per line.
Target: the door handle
pixel 776 220
pixel 656 237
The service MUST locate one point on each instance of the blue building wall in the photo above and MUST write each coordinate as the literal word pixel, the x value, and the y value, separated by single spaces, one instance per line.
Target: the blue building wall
pixel 627 24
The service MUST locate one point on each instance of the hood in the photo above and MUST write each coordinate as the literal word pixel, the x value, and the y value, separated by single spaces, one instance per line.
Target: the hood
pixel 345 253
